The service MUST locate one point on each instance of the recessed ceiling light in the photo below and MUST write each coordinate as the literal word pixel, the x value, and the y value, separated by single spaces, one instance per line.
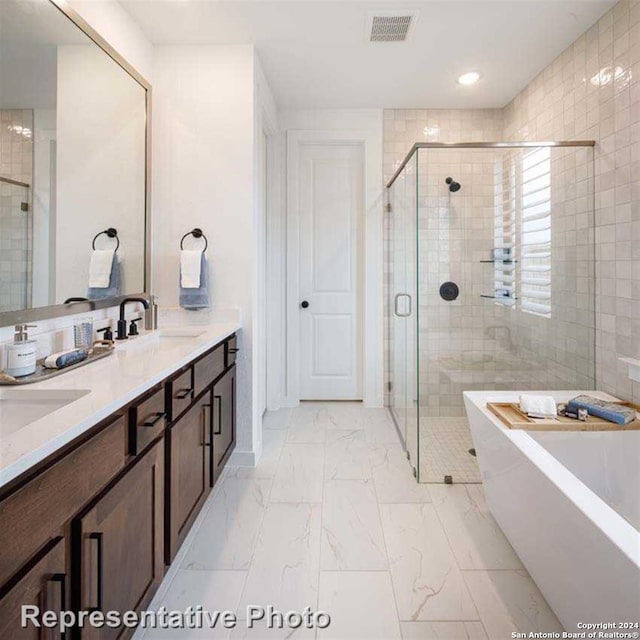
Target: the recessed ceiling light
pixel 469 78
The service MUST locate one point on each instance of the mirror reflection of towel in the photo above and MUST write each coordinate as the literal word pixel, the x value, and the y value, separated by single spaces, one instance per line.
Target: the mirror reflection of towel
pixel 196 297
pixel 112 287
pixel 100 268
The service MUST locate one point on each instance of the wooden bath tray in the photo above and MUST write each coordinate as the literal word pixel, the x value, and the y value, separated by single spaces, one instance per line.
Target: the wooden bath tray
pixel 510 414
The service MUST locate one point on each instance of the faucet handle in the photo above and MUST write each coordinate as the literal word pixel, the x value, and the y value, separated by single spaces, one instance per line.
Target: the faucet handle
pixel 133 327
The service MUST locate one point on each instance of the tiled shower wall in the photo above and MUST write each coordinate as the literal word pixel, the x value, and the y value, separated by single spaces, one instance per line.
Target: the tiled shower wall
pixel 16 163
pixel 592 91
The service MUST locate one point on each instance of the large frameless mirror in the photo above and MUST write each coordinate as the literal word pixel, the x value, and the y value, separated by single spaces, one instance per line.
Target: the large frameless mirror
pixel 73 165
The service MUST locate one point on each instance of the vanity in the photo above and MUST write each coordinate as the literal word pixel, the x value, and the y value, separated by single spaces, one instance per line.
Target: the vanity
pixel 103 468
pixel 94 524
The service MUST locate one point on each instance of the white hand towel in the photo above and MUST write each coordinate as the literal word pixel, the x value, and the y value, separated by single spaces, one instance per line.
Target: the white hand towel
pixel 190 262
pixel 100 268
pixel 538 406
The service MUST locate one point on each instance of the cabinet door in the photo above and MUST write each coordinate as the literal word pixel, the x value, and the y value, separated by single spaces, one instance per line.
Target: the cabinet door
pixel 189 458
pixel 43 586
pixel 120 544
pixel 224 420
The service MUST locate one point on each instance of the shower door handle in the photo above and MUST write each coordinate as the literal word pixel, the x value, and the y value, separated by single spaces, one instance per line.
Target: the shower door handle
pixel 395 305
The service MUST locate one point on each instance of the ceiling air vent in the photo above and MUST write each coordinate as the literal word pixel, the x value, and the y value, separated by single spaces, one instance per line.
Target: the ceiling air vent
pixel 390 26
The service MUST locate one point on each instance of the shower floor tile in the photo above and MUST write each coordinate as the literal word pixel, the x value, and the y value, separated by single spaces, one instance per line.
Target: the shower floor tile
pixel 444 451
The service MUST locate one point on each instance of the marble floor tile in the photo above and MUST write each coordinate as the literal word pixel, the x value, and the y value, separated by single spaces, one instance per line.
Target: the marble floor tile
pixel 299 476
pixel 392 475
pixel 426 579
pixel 361 605
pixel 261 631
pixel 346 455
pixel 509 601
pixel 442 631
pixel 285 565
pixel 352 536
pixel 226 538
pixel 213 590
pixel 475 537
pixel 308 425
pixel 277 419
pixel 272 442
pixel 345 415
pixel 379 427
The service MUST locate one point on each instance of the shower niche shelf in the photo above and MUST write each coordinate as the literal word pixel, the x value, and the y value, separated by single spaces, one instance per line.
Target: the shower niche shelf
pixel 498 261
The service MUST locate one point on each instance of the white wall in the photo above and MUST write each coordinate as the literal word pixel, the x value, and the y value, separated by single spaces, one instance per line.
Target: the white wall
pixel 204 158
pixel 366 123
pixel 117 27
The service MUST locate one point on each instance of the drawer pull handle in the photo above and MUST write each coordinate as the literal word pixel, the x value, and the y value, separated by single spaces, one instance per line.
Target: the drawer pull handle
pixel 181 394
pixel 61 605
pixel 153 421
pixel 98 538
pixel 218 431
pixel 233 350
pixel 206 443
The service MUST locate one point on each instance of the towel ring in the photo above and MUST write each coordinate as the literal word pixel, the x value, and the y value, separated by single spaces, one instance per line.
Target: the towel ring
pixel 196 233
pixel 110 233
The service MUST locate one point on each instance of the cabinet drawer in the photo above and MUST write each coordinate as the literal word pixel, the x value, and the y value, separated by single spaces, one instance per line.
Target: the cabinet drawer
pixel 180 394
pixel 43 586
pixel 232 350
pixel 208 368
pixel 147 420
pixel 36 512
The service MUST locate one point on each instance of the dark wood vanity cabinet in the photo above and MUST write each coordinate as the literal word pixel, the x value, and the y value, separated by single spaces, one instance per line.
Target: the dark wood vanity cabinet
pixel 94 525
pixel 119 542
pixel 44 586
pixel 189 461
pixel 224 420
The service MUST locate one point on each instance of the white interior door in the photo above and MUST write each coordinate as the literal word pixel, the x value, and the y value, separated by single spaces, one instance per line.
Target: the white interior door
pixel 331 195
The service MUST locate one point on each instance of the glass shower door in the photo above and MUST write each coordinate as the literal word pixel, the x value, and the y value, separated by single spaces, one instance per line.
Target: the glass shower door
pixel 403 353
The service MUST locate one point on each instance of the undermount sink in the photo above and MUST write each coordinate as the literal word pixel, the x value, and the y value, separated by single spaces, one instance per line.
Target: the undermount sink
pixel 20 407
pixel 181 332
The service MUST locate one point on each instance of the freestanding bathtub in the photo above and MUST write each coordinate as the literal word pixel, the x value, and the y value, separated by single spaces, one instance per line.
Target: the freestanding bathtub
pixel 569 503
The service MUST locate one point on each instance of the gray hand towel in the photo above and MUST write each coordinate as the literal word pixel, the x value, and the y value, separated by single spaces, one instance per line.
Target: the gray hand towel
pixel 113 290
pixel 196 298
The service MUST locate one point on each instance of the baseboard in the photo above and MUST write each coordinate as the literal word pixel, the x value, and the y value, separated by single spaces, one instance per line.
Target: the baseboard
pixel 243 459
pixel 374 402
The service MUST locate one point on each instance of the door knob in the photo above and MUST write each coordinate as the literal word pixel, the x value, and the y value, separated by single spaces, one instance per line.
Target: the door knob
pixel 304 304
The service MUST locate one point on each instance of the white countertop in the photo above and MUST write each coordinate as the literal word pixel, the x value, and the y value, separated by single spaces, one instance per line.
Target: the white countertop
pixel 136 366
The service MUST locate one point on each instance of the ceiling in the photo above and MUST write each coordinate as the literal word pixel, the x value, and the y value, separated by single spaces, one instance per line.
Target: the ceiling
pixel 315 53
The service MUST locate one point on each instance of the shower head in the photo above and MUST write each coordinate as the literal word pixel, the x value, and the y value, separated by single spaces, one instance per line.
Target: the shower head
pixel 453 185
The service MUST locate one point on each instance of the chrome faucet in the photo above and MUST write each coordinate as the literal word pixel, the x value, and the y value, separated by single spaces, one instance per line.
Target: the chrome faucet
pixel 121 331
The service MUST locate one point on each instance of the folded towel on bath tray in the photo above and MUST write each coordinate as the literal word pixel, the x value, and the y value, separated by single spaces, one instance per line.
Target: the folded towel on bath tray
pixel 536 406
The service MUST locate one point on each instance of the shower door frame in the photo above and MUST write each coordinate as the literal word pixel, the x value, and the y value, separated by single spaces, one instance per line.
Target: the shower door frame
pixel 520 144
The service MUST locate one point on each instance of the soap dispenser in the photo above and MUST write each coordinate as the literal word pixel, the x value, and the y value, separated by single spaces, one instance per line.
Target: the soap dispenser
pixel 21 355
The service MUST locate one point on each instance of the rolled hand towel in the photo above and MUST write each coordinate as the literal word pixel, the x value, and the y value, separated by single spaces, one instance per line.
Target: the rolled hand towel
pixel 538 406
pixel 190 269
pixel 100 268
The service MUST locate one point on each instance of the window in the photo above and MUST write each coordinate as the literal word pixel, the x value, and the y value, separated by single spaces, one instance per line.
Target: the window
pixel 535 233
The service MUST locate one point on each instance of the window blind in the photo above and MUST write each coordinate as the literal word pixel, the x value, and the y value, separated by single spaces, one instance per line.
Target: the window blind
pixel 535 232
